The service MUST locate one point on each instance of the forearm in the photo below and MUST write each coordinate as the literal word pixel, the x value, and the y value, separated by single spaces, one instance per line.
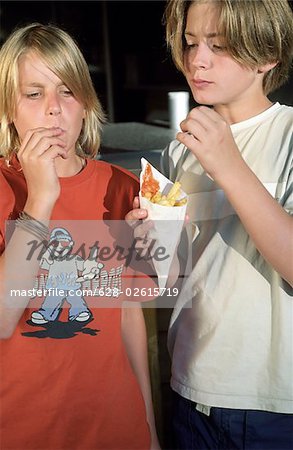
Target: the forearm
pixel 135 340
pixel 19 266
pixel 268 224
pixel 209 137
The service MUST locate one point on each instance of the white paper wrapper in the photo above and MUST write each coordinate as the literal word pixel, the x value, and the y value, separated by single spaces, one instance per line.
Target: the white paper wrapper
pixel 167 221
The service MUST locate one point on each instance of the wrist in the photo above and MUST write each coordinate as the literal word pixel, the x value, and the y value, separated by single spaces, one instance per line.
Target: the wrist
pixel 233 177
pixel 40 210
pixel 33 226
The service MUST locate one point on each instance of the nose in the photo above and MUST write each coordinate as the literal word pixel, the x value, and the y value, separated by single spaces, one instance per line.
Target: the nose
pixel 200 57
pixel 53 107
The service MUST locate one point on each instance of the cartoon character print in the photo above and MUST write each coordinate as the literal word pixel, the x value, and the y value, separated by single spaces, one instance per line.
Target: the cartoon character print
pixel 66 271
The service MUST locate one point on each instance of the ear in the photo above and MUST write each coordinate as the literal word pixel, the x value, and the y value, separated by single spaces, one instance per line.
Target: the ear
pixel 84 114
pixel 267 67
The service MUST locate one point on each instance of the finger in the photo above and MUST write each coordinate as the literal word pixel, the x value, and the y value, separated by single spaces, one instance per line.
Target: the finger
pixel 199 121
pixel 53 152
pixel 204 115
pixel 43 153
pixel 210 113
pixel 42 145
pixel 41 139
pixel 142 229
pixel 136 214
pixel 189 140
pixel 142 246
pixel 194 127
pixel 39 132
pixel 27 137
pixel 136 203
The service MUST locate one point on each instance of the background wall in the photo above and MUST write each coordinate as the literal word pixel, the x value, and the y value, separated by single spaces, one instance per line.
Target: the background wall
pixel 124 45
pixel 123 42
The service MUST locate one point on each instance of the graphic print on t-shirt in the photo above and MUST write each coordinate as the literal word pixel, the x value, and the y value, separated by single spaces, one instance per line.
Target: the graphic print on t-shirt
pixel 62 287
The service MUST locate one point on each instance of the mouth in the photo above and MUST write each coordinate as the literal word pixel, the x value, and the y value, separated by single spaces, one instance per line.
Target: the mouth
pixel 199 83
pixel 55 126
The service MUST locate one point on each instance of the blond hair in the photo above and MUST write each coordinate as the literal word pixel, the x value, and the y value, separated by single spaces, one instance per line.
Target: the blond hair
pixel 257 32
pixel 61 54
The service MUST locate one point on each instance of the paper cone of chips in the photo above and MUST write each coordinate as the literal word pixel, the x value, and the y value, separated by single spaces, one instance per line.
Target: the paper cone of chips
pixel 166 204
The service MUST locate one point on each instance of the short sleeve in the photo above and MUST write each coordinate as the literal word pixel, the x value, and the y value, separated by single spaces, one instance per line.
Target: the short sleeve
pixel 285 194
pixel 164 163
pixel 287 198
pixel 172 158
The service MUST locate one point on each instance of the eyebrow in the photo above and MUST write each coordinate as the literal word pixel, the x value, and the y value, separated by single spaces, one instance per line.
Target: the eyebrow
pixel 33 84
pixel 208 35
pixel 36 84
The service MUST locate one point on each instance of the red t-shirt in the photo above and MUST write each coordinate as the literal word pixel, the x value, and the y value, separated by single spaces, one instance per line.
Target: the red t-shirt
pixel 67 384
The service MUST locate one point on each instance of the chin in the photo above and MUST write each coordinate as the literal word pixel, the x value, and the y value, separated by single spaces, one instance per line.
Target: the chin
pixel 203 100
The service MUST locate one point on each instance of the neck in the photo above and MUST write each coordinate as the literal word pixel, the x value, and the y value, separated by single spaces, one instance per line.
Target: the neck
pixel 240 112
pixel 70 166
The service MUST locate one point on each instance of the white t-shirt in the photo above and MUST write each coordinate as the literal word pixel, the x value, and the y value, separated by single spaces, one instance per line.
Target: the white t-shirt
pixel 234 347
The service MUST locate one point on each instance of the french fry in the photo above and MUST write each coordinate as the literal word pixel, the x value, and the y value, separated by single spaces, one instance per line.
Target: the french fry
pixel 181 202
pixel 148 195
pixel 157 197
pixel 150 190
pixel 164 202
pixel 174 191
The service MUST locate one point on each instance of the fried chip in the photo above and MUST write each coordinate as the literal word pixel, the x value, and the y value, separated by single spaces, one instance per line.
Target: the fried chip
pixel 150 190
pixel 149 185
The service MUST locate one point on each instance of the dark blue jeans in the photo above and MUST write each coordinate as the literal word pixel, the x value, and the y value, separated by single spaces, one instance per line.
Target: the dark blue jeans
pixel 227 429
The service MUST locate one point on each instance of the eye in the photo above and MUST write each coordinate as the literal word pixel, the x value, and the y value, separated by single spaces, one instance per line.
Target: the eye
pixel 66 92
pixel 218 48
pixel 191 45
pixel 33 95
